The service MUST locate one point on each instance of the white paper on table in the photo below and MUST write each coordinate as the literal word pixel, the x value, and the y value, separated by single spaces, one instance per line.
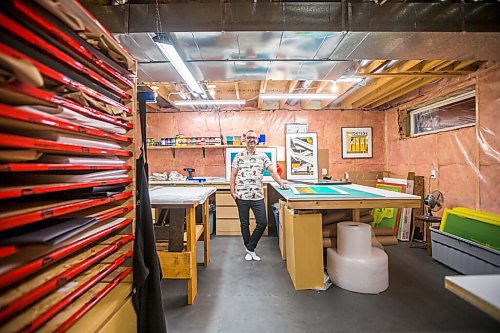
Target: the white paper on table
pixel 179 195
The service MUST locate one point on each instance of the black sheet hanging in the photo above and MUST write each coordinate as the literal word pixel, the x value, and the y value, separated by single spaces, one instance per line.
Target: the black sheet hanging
pixel 147 273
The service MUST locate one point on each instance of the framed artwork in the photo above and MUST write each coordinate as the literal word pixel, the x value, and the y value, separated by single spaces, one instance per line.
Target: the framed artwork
pixel 231 153
pixel 388 217
pixel 301 156
pixel 296 128
pixel 357 142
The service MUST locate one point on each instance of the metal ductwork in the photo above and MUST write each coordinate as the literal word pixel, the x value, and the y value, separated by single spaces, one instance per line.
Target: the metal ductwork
pixel 300 40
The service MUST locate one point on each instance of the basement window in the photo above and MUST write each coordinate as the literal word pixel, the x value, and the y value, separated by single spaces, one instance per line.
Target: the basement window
pixel 450 112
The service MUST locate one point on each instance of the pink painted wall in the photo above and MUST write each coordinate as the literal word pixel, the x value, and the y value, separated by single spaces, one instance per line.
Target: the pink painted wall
pixel 467 160
pixel 326 123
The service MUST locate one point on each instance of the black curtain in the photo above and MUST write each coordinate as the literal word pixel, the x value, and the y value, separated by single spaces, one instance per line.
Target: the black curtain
pixel 147 273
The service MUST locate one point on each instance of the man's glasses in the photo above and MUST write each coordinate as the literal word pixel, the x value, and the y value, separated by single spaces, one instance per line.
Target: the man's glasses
pixel 251 138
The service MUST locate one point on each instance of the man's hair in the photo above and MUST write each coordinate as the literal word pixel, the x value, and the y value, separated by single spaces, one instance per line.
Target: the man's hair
pixel 249 132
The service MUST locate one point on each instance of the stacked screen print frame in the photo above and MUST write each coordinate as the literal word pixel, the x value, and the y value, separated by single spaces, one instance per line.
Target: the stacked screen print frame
pixel 84 283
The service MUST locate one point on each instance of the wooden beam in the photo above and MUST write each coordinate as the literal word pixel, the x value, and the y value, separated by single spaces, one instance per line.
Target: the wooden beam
pixel 372 66
pixel 378 82
pixel 262 90
pixel 291 87
pixel 415 84
pixel 393 85
pixel 417 74
pixel 237 89
pixel 419 83
pixel 322 86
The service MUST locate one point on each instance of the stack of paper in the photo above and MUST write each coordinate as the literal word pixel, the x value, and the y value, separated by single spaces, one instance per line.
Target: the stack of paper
pixel 81 178
pixel 52 231
pixel 65 159
pixel 66 114
pixel 77 140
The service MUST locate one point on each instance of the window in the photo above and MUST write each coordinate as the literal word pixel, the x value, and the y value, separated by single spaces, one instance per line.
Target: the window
pixel 450 112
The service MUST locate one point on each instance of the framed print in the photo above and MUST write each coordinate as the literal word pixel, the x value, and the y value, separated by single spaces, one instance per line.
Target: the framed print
pixel 271 152
pixel 357 142
pixel 388 217
pixel 296 128
pixel 301 156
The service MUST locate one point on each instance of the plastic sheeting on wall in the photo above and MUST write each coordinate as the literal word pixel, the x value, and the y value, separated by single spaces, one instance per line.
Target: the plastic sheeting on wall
pixel 466 160
pixel 327 123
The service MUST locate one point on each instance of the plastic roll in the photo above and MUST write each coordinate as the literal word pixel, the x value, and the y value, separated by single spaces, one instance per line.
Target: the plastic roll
pixel 354 239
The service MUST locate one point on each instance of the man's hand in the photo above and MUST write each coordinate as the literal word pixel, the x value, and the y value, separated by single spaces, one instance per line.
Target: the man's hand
pixel 234 195
pixel 284 186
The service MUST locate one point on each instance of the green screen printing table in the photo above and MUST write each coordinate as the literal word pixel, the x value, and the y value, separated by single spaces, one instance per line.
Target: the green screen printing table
pixel 303 232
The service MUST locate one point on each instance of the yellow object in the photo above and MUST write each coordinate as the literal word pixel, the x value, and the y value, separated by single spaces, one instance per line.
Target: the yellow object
pixel 483 216
pixel 304 250
pixel 470 213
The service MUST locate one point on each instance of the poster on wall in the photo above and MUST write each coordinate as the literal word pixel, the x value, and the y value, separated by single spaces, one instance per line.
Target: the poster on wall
pixel 301 156
pixel 357 142
pixel 296 127
pixel 232 152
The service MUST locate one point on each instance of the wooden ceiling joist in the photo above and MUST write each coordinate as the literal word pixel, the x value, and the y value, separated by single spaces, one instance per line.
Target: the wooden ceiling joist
pixel 291 87
pixel 377 83
pixel 237 89
pixel 262 90
pixel 393 85
pixel 415 83
pixel 372 66
pixel 417 74
pixel 408 88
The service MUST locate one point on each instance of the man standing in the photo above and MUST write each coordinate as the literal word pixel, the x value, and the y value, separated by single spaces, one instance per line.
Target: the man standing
pixel 247 171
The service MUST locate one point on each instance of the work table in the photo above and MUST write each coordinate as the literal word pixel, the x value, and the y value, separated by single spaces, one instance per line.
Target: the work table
pixel 209 181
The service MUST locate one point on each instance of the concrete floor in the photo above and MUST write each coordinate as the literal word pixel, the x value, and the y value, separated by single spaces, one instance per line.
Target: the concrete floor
pixel 239 296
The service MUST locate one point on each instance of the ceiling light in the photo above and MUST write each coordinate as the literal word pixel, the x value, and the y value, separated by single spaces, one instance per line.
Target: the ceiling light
pixel 169 51
pixel 350 79
pixel 211 102
pixel 298 96
pixel 334 88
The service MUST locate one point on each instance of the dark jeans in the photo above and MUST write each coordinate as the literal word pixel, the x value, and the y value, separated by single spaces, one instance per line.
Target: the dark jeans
pixel 259 210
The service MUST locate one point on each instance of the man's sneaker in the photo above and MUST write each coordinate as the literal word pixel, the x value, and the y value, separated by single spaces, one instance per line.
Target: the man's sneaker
pixel 248 257
pixel 253 255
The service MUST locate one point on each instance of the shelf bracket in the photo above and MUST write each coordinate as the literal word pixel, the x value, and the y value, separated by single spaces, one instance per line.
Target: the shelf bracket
pixel 203 149
pixel 173 152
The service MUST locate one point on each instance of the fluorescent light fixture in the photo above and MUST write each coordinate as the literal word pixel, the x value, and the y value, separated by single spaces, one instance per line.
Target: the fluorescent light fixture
pixel 350 79
pixel 334 88
pixel 298 96
pixel 211 102
pixel 169 51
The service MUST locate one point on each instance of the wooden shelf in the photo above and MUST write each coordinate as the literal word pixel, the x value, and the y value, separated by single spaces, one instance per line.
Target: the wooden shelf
pixel 195 147
pixel 173 148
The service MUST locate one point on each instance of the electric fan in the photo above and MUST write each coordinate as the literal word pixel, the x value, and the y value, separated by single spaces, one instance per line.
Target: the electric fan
pixel 434 202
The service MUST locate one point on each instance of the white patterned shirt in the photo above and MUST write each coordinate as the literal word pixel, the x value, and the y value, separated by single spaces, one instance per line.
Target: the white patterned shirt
pixel 250 172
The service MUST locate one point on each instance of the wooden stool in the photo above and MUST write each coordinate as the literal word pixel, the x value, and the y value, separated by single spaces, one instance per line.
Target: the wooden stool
pixel 426 223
